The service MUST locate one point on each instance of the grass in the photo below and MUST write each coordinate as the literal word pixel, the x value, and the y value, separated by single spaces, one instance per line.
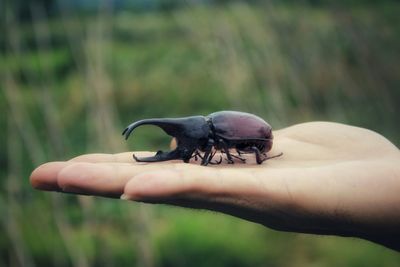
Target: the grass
pixel 71 83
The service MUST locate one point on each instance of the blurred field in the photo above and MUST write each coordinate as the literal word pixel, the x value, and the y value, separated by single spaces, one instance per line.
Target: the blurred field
pixel 71 82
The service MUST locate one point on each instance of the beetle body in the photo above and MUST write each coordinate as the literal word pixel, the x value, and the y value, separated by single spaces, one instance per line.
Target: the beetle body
pixel 202 136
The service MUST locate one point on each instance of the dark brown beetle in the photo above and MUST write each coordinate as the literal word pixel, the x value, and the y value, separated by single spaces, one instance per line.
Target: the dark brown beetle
pixel 223 130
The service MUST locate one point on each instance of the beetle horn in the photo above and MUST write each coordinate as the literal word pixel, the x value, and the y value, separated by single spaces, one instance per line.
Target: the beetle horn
pixel 172 126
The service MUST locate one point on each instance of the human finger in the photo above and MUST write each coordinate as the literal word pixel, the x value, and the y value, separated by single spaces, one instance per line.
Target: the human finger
pixel 44 177
pixel 106 179
pixel 125 157
pixel 102 179
pixel 197 182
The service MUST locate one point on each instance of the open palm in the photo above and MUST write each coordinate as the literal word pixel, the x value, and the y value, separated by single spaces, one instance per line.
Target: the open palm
pixel 332 179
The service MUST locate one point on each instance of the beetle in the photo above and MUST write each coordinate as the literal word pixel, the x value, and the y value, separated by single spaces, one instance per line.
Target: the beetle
pixel 203 136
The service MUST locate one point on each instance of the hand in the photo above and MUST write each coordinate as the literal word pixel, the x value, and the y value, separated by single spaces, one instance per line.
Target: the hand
pixel 332 179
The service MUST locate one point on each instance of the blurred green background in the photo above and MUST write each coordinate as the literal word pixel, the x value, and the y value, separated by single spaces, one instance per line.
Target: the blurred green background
pixel 74 73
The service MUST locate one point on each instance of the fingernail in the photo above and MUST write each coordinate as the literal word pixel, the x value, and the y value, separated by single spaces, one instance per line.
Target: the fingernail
pixel 124 197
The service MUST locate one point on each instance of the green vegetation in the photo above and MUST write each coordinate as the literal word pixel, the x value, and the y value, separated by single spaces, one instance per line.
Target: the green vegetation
pixel 70 83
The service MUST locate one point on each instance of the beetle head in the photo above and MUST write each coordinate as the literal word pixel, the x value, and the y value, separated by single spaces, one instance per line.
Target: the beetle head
pixel 188 131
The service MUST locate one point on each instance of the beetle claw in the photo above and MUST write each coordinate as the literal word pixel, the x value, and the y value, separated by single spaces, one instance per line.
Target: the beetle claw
pixel 197 155
pixel 239 157
pixel 275 156
pixel 220 160
pixel 216 162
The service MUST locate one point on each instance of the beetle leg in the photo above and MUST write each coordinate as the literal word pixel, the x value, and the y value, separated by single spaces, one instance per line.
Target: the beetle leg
pixel 220 160
pixel 258 155
pixel 271 157
pixel 197 154
pixel 216 162
pixel 208 155
pixel 226 151
pixel 238 151
pixel 187 154
pixel 213 154
pixel 238 157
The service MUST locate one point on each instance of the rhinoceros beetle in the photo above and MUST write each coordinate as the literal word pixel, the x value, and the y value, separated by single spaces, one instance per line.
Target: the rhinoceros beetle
pixel 223 130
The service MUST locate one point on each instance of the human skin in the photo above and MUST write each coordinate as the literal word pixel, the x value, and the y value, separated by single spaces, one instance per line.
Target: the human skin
pixel 332 179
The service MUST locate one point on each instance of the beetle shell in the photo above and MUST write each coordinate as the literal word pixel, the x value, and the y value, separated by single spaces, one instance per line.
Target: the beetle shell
pixel 240 126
